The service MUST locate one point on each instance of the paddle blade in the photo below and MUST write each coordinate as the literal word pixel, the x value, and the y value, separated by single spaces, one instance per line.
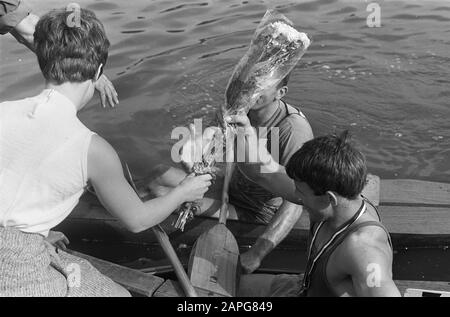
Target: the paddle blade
pixel 214 260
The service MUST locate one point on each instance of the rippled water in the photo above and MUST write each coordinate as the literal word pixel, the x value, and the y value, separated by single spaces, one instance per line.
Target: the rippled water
pixel 170 61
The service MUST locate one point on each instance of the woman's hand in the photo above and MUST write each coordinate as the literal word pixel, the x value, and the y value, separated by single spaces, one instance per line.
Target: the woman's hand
pixel 193 187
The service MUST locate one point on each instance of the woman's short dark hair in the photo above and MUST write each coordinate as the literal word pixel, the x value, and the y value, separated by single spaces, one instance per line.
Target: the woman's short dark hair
pixel 330 163
pixel 70 53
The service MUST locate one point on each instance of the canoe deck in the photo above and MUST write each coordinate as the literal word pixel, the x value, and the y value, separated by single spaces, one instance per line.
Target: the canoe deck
pixel 417 213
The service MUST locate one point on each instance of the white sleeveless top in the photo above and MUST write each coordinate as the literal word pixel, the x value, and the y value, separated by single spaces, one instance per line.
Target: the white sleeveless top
pixel 43 161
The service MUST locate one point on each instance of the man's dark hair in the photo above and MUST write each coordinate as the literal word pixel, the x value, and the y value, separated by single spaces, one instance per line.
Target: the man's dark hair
pixel 330 163
pixel 284 81
pixel 70 53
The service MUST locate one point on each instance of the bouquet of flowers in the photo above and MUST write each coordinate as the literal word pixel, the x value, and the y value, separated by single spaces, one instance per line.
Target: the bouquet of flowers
pixel 275 49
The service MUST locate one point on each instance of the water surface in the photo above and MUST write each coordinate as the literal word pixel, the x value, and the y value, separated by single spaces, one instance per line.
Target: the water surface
pixel 170 62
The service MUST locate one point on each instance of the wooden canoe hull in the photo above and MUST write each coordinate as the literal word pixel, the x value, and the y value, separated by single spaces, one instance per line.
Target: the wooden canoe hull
pixel 406 288
pixel 91 222
pixel 143 284
pixel 417 214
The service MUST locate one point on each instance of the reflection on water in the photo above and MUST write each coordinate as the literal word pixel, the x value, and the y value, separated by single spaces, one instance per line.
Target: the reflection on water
pixel 170 61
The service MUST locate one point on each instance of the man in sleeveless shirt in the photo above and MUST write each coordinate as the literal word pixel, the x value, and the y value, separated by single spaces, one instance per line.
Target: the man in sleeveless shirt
pixel 349 250
pixel 254 196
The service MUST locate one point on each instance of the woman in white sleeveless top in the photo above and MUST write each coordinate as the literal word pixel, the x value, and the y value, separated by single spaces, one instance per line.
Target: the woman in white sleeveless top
pixel 47 157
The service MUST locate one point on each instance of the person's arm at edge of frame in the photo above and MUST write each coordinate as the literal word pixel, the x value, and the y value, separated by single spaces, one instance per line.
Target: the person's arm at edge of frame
pixel 16 18
pixel 24 31
pixel 118 197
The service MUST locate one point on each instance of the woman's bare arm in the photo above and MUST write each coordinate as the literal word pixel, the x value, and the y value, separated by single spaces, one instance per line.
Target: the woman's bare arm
pixel 106 175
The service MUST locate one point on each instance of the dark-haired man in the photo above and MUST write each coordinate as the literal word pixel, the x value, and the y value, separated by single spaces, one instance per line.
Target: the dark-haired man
pixel 350 251
pixel 253 195
pixel 17 19
pixel 47 158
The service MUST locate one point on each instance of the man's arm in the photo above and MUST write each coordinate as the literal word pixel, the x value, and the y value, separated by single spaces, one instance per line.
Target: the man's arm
pixel 279 227
pixel 276 181
pixel 367 258
pixel 106 175
pixel 267 172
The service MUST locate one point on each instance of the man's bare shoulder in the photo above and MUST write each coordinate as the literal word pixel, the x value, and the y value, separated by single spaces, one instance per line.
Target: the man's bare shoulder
pixel 366 257
pixel 367 237
pixel 369 244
